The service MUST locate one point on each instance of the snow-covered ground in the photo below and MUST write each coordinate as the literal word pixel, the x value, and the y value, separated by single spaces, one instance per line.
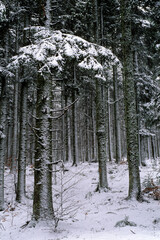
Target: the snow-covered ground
pixel 97 213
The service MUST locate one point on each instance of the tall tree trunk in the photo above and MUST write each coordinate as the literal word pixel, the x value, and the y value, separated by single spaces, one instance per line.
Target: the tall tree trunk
pixel 94 145
pixel 130 104
pixel 153 148
pixel 15 128
pixel 86 131
pixel 74 119
pixel 63 156
pixel 3 110
pixel 149 147
pixel 101 135
pixel 66 120
pixel 22 145
pixel 70 156
pixel 42 202
pixel 9 111
pixel 96 22
pixel 9 137
pixel 15 111
pixel 136 75
pixel 33 123
pixel 110 154
pixel 116 117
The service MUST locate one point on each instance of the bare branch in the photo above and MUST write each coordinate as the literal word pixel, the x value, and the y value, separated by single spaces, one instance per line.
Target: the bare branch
pixel 64 110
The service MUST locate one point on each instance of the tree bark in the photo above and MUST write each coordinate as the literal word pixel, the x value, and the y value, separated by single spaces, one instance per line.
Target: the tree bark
pixel 101 135
pixel 130 104
pixel 66 120
pixel 116 117
pixel 15 127
pixel 74 119
pixel 94 145
pixel 22 145
pixel 110 153
pixel 42 203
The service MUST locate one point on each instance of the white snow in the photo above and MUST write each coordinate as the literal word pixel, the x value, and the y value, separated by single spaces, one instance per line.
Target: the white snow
pixel 90 63
pixel 2 135
pixel 97 213
pixel 146 23
pixel 68 50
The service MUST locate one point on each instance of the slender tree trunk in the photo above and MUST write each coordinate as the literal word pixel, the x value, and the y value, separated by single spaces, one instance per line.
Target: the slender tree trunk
pixel 96 22
pixel 153 148
pixel 109 129
pixel 86 131
pixel 15 113
pixel 102 24
pixel 66 131
pixel 15 127
pixel 33 137
pixel 3 110
pixel 9 138
pixel 130 104
pixel 21 181
pixel 101 135
pixel 63 137
pixel 116 117
pixel 94 131
pixel 9 111
pixel 70 157
pixel 136 74
pixel 149 148
pixel 74 119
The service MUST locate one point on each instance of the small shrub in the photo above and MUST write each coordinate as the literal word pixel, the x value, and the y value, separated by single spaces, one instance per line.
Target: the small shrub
pixel 125 222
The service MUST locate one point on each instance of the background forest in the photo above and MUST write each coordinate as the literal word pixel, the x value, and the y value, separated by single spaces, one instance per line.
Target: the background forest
pixel 79 83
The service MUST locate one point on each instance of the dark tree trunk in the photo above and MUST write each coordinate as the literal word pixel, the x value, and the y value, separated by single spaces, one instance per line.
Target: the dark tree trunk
pixel 15 127
pixel 42 202
pixel 22 145
pixel 3 107
pixel 130 103
pixel 116 117
pixel 74 121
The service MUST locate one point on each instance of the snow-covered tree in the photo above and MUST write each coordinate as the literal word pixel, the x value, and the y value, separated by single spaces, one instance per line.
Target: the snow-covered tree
pixel 51 54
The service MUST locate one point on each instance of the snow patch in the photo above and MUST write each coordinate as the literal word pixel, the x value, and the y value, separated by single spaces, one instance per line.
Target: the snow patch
pixel 98 213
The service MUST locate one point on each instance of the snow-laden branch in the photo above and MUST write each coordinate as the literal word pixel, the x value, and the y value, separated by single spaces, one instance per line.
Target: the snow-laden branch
pixel 53 50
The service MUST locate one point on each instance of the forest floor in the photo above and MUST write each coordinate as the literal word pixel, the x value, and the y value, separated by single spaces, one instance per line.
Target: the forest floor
pixel 86 214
